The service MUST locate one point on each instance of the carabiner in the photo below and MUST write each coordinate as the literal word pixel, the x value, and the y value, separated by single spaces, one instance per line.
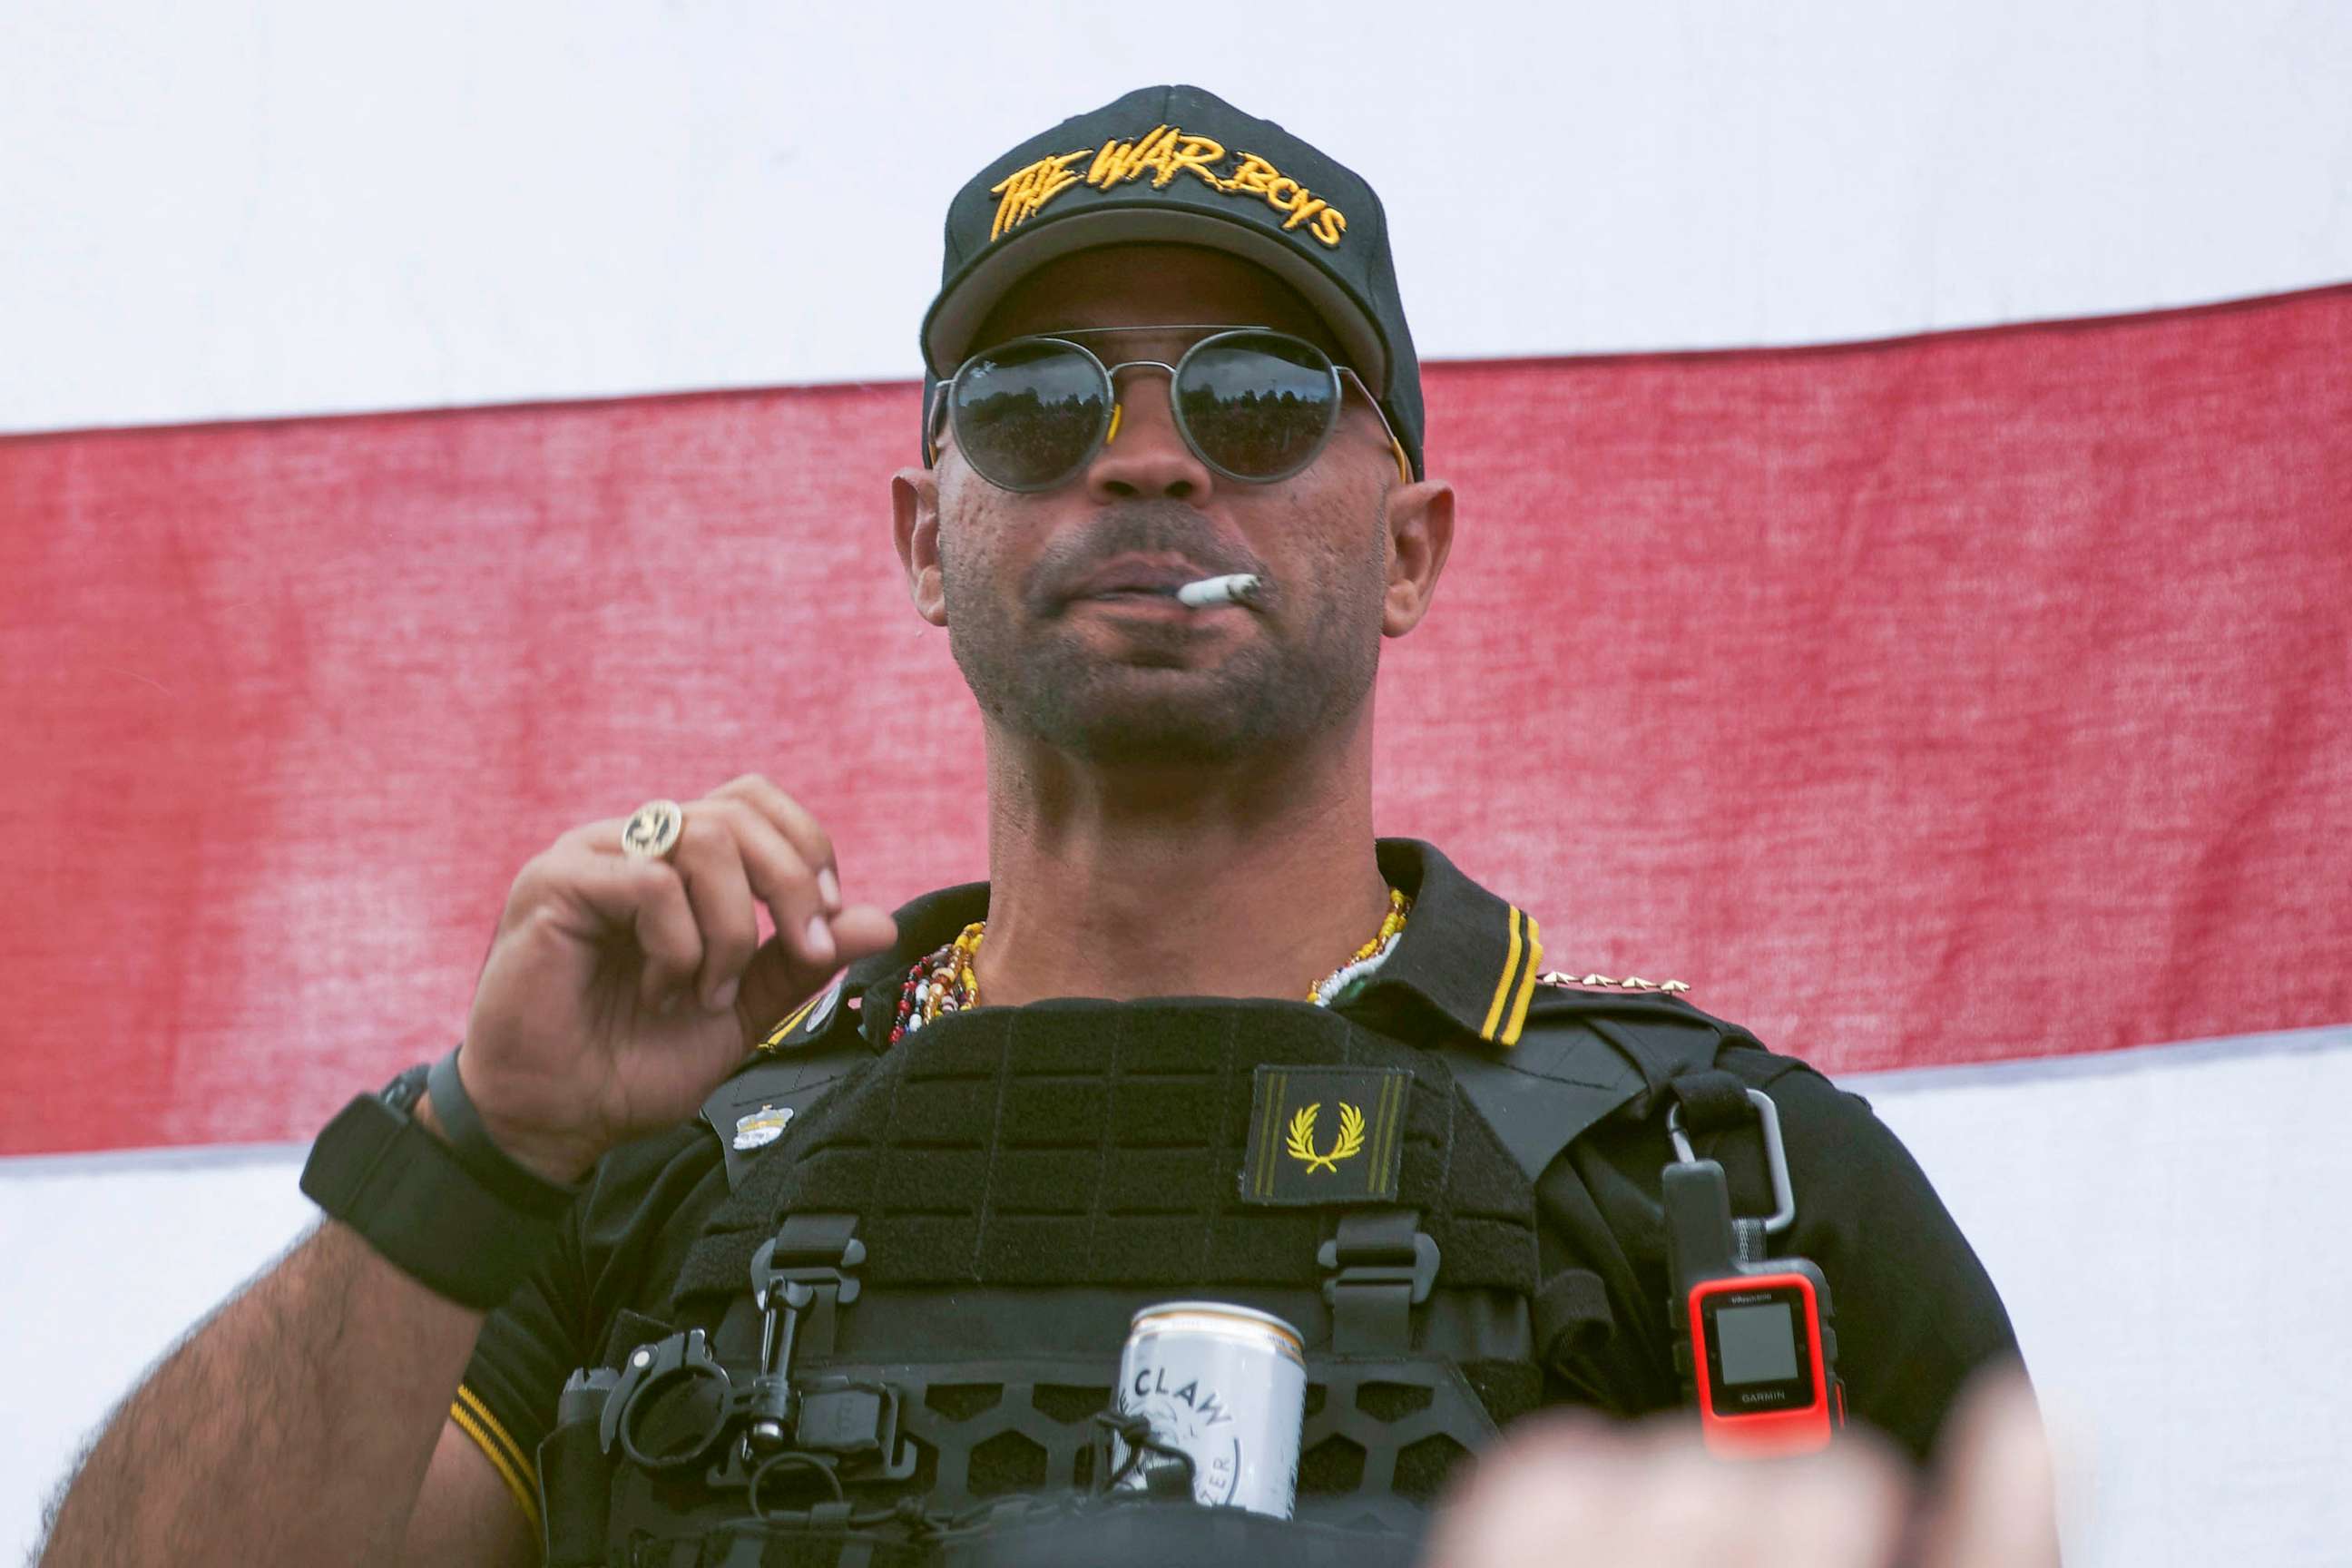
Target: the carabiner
pixel 1776 1157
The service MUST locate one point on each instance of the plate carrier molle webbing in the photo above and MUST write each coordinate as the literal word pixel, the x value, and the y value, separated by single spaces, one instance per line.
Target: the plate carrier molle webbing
pixel 952 1244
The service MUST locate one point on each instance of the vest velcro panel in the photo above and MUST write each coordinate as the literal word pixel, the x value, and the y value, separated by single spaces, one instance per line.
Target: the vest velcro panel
pixel 1099 1144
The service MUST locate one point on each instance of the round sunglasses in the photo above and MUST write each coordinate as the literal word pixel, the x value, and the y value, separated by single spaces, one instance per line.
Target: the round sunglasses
pixel 1253 403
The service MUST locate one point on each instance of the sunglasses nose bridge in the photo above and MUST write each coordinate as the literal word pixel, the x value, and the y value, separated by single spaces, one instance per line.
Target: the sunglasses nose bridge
pixel 1120 396
pixel 1144 451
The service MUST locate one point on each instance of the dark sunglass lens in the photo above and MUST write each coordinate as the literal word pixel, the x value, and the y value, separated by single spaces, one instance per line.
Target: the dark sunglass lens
pixel 1258 404
pixel 1028 413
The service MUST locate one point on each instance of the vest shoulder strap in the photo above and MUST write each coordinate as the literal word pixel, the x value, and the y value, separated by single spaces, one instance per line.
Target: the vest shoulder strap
pixel 797 1062
pixel 1582 1058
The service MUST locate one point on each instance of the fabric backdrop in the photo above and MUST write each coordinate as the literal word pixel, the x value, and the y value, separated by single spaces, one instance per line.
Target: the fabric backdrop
pixel 1939 700
pixel 1967 713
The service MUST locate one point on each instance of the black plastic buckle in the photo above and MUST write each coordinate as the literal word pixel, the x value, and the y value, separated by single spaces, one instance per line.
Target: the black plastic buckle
pixel 831 1425
pixel 808 1285
pixel 798 1279
pixel 825 1264
pixel 796 1298
pixel 1383 1265
pixel 853 1419
pixel 585 1395
pixel 1379 1274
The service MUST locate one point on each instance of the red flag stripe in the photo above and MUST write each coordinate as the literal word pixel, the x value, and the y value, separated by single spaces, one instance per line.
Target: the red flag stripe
pixel 1958 698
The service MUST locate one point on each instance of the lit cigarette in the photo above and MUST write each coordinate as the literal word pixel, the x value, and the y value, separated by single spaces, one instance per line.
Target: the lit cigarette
pixel 1239 589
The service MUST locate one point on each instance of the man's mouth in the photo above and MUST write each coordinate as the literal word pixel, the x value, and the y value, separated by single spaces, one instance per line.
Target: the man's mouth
pixel 1139 606
pixel 1137 577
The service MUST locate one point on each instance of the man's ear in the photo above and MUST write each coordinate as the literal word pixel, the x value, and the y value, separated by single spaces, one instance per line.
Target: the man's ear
pixel 914 529
pixel 1421 535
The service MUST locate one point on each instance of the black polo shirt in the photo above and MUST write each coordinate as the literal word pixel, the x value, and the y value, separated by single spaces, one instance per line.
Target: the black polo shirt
pixel 1917 1314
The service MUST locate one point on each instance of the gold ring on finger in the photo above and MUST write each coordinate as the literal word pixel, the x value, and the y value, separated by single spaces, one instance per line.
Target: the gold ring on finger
pixel 653 830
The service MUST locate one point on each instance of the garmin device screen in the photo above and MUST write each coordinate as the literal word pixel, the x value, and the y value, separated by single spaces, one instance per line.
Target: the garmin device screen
pixel 1757 1344
pixel 1760 1354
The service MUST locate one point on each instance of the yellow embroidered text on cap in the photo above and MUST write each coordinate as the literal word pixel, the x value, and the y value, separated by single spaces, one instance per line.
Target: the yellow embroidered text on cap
pixel 1164 152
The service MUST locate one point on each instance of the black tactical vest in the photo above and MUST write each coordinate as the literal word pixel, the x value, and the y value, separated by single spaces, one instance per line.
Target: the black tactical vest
pixel 892 1342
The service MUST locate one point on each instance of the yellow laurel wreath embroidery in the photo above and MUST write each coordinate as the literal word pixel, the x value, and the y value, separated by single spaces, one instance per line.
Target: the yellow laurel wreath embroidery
pixel 1300 1144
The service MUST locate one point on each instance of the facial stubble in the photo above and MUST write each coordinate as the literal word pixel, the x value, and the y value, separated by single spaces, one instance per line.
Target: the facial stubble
pixel 1305 668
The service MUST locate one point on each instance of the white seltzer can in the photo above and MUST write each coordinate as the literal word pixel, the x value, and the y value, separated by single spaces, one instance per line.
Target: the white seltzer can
pixel 1227 1386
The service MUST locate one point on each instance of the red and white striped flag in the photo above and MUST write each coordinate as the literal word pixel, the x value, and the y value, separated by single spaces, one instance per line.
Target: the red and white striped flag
pixel 1971 710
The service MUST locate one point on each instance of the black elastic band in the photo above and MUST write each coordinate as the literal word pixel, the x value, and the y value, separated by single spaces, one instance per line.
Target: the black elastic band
pixel 492 1166
pixel 410 1197
pixel 1714 1104
pixel 1713 1101
pixel 1571 1317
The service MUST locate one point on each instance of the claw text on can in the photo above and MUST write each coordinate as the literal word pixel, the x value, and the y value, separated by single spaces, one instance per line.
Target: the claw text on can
pixel 1227 1386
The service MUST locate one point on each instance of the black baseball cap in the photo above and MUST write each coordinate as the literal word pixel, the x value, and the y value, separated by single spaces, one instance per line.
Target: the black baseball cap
pixel 1178 165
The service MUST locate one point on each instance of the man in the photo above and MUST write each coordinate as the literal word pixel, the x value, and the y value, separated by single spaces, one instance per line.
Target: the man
pixel 1168 352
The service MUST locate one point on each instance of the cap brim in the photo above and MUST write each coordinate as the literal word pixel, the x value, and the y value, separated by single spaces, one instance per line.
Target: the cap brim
pixel 965 303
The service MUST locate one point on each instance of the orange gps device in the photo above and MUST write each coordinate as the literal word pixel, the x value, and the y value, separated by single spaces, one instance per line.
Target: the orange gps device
pixel 1762 1382
pixel 1753 1339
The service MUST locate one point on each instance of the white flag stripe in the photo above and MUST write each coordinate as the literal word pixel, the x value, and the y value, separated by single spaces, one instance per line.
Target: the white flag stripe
pixel 310 209
pixel 2155 1219
pixel 305 210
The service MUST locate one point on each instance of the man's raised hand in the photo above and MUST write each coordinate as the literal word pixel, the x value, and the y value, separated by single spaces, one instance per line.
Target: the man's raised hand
pixel 1566 1489
pixel 619 989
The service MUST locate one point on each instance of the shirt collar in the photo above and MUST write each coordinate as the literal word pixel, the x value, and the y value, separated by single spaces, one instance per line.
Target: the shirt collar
pixel 1465 965
pixel 1467 958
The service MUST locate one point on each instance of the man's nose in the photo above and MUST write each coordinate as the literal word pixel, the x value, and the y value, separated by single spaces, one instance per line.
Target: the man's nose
pixel 1146 454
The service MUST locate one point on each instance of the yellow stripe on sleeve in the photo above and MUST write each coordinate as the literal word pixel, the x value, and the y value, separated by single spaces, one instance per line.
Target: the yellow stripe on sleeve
pixel 1510 1036
pixel 1503 985
pixel 506 1456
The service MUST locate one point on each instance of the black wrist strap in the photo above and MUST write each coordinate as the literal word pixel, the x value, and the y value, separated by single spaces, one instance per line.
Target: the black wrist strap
pixel 407 1193
pixel 492 1166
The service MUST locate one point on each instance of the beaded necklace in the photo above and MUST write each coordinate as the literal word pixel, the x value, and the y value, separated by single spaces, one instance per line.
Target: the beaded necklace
pixel 942 982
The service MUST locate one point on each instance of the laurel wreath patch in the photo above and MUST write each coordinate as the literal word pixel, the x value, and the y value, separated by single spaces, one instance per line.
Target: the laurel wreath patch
pixel 1300 1143
pixel 1286 1159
